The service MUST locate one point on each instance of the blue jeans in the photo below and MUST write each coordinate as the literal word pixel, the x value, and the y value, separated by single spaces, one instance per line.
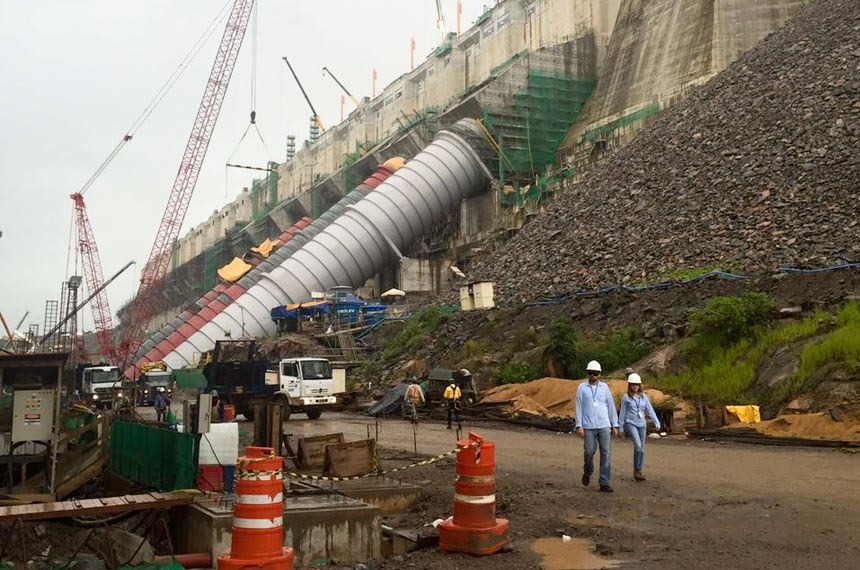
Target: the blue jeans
pixel 637 436
pixel 603 438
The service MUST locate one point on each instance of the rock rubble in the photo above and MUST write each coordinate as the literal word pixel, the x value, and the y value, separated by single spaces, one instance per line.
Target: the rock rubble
pixel 760 167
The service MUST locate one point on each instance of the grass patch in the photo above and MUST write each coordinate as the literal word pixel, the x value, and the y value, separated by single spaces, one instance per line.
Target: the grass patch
pixel 516 372
pixel 415 334
pixel 686 273
pixel 729 372
pixel 614 350
pixel 841 346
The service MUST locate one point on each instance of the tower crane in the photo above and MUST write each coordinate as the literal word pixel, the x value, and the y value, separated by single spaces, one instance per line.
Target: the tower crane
pixel 315 117
pixel 144 304
pixel 341 85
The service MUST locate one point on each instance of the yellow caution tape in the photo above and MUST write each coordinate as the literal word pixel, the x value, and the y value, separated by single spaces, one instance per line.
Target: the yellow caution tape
pixel 242 474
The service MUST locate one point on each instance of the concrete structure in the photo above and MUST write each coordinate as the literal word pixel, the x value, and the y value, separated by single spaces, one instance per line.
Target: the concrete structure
pixel 559 84
pixel 324 527
pixel 660 50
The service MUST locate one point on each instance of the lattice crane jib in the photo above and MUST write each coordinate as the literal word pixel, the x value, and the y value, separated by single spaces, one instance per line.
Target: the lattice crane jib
pixel 144 305
pixel 94 276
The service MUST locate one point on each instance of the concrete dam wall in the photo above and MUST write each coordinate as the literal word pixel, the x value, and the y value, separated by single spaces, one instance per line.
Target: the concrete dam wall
pixel 659 50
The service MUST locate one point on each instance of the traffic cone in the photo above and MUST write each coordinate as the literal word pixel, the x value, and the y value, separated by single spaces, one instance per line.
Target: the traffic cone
pixel 474 528
pixel 258 514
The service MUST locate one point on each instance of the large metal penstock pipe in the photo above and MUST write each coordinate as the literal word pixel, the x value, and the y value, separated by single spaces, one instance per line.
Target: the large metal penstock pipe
pixel 182 328
pixel 369 235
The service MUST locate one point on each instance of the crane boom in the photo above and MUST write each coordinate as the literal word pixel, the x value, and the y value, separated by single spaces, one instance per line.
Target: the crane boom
pixel 143 305
pixel 316 117
pixel 94 276
pixel 341 85
pixel 440 23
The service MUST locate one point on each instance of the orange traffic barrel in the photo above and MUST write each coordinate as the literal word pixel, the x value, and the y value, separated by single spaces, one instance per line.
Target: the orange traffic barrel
pixel 474 528
pixel 258 514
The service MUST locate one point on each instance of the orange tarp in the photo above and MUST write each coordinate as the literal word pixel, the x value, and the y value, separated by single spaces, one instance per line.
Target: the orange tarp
pixel 265 248
pixel 234 270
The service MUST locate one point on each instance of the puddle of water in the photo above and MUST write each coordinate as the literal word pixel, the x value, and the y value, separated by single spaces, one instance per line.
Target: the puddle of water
pixel 574 554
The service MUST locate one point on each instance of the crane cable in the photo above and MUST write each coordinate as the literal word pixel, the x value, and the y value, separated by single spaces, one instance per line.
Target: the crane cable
pixel 159 96
pixel 253 121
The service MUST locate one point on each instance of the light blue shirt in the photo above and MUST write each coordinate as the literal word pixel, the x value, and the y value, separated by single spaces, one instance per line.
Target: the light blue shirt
pixel 595 408
pixel 633 410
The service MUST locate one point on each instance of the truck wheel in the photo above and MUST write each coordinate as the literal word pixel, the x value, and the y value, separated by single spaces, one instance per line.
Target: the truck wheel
pixel 285 407
pixel 314 414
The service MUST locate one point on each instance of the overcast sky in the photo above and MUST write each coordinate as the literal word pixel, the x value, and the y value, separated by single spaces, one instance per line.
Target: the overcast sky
pixel 75 75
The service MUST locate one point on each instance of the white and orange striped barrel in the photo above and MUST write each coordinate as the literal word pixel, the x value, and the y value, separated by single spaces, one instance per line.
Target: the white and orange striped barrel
pixel 258 511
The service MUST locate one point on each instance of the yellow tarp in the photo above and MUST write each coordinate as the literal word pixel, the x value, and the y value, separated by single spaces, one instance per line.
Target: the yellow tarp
pixel 234 270
pixel 305 305
pixel 264 249
pixel 746 414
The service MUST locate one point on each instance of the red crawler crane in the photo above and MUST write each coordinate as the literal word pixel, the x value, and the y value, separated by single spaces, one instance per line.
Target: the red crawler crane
pixel 94 276
pixel 143 306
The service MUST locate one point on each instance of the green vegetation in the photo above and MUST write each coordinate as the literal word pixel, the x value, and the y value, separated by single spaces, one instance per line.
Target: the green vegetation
pixel 726 321
pixel 415 334
pixel 685 273
pixel 839 346
pixel 729 372
pixel 563 345
pixel 613 350
pixel 516 372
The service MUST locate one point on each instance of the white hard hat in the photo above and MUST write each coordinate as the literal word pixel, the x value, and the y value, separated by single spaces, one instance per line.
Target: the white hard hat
pixel 634 379
pixel 593 366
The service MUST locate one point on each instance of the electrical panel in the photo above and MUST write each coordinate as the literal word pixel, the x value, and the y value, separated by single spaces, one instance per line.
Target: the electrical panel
pixel 33 415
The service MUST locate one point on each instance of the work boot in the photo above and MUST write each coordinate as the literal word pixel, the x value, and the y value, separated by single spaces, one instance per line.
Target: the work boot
pixel 586 479
pixel 638 476
pixel 449 426
pixel 606 489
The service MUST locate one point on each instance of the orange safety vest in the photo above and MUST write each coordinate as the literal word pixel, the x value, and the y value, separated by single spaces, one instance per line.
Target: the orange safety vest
pixel 414 393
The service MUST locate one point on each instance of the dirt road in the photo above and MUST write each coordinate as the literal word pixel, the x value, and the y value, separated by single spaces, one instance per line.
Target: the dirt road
pixel 705 505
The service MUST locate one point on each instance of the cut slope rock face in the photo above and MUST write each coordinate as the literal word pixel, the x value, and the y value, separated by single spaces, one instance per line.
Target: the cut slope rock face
pixel 760 166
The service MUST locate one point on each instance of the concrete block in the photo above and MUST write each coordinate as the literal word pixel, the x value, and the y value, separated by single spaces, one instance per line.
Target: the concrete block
pixel 327 527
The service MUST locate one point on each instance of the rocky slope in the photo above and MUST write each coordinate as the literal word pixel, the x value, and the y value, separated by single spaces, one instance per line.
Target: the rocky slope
pixel 761 166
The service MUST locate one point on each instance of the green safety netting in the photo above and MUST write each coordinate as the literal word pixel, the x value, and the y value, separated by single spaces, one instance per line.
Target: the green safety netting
pixel 530 131
pixel 152 455
pixel 210 277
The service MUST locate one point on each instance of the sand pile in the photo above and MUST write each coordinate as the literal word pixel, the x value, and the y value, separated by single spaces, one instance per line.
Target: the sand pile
pixel 811 426
pixel 553 397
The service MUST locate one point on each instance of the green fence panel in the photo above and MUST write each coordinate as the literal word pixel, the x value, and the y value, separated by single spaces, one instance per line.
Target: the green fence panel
pixel 152 455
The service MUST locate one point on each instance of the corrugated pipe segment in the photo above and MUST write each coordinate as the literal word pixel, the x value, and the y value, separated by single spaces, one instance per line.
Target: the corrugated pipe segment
pixel 181 328
pixel 190 321
pixel 369 234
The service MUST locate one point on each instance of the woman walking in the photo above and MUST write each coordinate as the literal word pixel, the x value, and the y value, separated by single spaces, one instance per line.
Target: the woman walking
pixel 634 405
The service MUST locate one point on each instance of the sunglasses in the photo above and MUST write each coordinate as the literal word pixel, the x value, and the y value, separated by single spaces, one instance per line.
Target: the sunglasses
pixel 593 373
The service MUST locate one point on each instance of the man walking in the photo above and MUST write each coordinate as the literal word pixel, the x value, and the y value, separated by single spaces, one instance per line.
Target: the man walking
pixel 414 397
pixel 596 421
pixel 452 397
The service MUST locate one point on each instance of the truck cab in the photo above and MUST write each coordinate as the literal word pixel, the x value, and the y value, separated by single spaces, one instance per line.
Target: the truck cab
pixel 308 385
pixel 153 382
pixel 100 386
